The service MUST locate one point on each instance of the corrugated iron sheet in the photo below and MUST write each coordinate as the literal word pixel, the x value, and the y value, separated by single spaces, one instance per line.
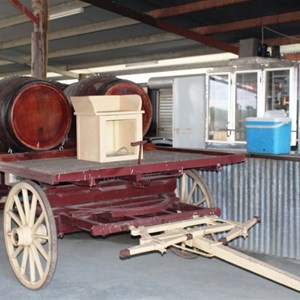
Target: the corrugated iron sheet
pixel 261 187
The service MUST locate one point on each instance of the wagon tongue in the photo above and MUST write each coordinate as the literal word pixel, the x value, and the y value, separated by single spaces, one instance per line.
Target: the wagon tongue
pixel 198 236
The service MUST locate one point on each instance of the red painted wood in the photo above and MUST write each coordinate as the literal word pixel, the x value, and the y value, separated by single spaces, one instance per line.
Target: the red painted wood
pixel 110 197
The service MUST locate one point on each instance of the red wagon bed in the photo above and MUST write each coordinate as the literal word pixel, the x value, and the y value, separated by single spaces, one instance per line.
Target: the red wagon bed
pixel 52 193
pixel 62 166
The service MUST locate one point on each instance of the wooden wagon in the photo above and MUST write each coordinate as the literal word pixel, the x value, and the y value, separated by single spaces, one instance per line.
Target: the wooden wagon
pixel 161 197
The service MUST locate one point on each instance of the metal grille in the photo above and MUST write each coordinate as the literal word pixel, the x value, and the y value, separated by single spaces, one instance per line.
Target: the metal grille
pixel 165 111
pixel 266 188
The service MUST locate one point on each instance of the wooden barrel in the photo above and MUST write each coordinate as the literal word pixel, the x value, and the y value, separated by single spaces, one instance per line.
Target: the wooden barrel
pixel 110 85
pixel 34 114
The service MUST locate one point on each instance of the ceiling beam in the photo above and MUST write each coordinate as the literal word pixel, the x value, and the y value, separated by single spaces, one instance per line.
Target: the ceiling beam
pixel 125 43
pixel 130 42
pixel 122 22
pixel 115 61
pixel 149 57
pixel 251 23
pixel 27 63
pixel 27 12
pixel 76 31
pixel 191 7
pixel 14 59
pixel 161 24
pixel 20 18
pixel 283 40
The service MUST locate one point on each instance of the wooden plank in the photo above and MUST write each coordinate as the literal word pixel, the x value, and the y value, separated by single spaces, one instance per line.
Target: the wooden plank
pixel 249 263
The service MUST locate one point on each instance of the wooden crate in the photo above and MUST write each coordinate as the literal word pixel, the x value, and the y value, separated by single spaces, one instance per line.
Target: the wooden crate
pixel 106 126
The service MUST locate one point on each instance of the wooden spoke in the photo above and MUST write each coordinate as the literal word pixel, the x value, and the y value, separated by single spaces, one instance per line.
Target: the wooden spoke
pixel 26 204
pixel 24 261
pixel 30 235
pixel 41 249
pixel 17 252
pixel 20 209
pixel 32 213
pixel 31 266
pixel 38 222
pixel 15 218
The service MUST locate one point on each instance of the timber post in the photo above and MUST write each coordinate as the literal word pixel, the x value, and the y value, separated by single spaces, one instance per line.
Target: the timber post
pixel 39 40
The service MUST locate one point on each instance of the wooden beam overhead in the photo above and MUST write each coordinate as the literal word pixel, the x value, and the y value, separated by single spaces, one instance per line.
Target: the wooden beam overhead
pixel 283 40
pixel 191 7
pixel 164 25
pixel 251 23
pixel 122 22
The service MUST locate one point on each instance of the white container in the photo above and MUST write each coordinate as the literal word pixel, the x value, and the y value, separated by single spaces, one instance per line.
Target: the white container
pixel 106 126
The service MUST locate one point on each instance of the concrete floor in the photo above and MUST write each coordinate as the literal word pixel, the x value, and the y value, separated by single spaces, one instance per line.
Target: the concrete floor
pixel 90 268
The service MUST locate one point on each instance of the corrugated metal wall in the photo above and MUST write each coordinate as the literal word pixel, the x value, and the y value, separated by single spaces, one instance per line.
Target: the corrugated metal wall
pixel 261 187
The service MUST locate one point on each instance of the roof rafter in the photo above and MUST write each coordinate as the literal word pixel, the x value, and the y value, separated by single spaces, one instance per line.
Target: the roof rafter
pixel 76 31
pixel 250 23
pixel 191 7
pixel 20 18
pixel 161 24
pixel 283 40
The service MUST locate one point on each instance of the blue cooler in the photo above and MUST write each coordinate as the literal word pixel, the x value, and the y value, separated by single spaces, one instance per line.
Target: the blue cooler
pixel 270 134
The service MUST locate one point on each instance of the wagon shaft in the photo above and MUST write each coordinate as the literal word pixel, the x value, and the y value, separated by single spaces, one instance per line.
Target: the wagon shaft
pixel 195 236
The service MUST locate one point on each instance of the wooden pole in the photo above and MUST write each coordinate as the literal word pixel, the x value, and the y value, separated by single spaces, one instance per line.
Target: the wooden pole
pixel 39 40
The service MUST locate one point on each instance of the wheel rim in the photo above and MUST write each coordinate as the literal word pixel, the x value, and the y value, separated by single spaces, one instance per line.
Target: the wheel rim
pixel 191 189
pixel 30 235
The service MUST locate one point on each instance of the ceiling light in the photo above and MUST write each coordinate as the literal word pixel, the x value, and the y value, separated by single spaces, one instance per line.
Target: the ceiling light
pixel 66 13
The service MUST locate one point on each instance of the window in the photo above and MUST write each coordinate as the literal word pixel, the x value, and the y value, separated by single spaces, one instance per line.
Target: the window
pixel 246 102
pixel 235 93
pixel 277 89
pixel 230 104
pixel 281 93
pixel 218 89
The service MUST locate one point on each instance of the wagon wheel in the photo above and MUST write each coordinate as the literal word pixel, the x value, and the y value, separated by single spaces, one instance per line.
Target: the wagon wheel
pixel 193 190
pixel 30 235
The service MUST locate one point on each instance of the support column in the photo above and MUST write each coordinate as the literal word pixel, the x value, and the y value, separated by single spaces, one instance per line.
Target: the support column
pixel 39 40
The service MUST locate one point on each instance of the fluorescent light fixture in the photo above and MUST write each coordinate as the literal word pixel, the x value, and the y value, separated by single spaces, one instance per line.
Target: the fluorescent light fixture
pixel 144 78
pixel 53 74
pixel 142 64
pixel 66 13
